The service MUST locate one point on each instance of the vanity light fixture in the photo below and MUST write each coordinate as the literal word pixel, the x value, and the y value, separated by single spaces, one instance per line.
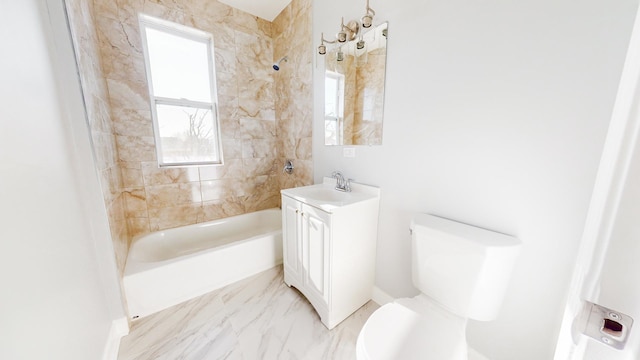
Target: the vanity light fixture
pixel 350 31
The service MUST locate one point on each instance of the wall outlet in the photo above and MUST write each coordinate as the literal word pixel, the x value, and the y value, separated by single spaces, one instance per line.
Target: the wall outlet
pixel 349 152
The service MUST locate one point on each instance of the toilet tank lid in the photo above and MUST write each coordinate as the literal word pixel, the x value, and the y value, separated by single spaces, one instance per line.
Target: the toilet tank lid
pixel 425 223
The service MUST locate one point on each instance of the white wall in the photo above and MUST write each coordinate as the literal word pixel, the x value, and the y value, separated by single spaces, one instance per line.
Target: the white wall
pixel 495 115
pixel 60 296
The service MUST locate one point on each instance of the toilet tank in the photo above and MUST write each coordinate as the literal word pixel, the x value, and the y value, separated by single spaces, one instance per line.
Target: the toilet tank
pixel 464 268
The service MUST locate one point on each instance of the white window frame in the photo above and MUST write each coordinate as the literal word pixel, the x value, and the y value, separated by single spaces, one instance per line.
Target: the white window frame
pixel 189 33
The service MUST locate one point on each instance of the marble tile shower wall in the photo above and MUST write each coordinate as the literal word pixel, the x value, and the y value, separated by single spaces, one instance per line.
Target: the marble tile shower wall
pixel 265 116
pixel 101 127
pixel 294 96
pixel 369 130
pixel 244 51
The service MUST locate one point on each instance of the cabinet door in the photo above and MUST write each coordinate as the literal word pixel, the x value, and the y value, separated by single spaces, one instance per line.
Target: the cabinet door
pixel 291 239
pixel 316 238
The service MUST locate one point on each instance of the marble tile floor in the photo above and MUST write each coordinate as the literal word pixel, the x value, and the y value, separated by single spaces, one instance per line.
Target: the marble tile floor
pixel 256 318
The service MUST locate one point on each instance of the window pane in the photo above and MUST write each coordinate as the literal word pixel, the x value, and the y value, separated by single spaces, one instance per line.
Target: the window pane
pixel 179 66
pixel 331 96
pixel 187 135
pixel 330 132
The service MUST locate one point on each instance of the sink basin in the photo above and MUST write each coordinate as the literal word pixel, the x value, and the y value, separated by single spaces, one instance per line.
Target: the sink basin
pixel 325 197
pixel 325 194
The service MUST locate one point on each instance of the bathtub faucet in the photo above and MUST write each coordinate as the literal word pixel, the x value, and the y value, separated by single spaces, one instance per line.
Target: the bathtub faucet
pixel 342 184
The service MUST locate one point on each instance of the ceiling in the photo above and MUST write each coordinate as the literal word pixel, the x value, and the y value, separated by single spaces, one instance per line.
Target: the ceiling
pixel 266 9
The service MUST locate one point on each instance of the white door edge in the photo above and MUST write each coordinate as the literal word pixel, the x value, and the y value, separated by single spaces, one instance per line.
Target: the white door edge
pixel 619 147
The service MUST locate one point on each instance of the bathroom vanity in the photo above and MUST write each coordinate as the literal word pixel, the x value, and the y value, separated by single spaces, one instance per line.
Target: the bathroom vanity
pixel 329 246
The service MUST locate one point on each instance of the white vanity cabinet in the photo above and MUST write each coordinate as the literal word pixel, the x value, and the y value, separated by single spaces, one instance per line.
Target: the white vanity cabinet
pixel 329 246
pixel 306 241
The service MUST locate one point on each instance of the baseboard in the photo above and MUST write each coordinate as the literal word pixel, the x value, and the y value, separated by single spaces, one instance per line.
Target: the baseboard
pixel 119 328
pixel 380 297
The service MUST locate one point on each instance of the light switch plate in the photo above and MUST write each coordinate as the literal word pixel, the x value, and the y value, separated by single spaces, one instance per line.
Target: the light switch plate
pixel 349 152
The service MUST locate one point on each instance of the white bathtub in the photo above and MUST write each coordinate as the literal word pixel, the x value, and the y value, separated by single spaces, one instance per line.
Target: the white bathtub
pixel 168 267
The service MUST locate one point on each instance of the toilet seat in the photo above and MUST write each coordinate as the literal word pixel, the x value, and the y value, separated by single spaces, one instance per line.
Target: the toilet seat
pixel 412 329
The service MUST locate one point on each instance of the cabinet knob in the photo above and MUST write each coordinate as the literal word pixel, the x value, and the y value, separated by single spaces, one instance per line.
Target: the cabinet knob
pixel 297 211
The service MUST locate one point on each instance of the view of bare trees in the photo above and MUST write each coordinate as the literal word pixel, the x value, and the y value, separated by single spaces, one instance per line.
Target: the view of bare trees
pixel 189 134
pixel 200 131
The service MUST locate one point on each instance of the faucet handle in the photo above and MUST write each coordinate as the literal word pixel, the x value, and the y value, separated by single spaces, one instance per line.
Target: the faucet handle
pixel 347 185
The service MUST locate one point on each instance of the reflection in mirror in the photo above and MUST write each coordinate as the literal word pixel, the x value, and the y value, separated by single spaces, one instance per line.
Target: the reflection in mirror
pixel 354 90
pixel 333 108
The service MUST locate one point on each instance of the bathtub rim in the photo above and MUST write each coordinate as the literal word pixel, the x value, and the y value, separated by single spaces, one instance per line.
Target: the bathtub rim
pixel 136 266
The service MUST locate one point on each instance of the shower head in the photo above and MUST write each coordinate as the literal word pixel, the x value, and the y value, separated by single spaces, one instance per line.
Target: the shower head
pixel 276 66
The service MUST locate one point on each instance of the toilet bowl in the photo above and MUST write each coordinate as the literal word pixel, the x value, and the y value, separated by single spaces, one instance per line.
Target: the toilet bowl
pixel 462 272
pixel 409 328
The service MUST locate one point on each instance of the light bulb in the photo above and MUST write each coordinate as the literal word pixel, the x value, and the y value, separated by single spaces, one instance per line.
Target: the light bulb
pixel 367 21
pixel 342 36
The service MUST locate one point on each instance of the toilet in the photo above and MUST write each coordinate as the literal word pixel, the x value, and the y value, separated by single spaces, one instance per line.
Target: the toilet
pixel 462 273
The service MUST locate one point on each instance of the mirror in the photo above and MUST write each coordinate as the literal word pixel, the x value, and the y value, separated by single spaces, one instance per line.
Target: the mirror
pixel 354 90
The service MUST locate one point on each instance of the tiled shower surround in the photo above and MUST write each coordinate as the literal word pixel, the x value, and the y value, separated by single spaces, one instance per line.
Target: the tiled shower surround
pixel 103 135
pixel 293 91
pixel 265 116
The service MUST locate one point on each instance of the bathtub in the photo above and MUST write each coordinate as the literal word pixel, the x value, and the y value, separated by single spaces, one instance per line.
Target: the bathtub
pixel 168 267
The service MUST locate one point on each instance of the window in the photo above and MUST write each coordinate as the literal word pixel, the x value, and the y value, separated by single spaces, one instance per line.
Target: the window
pixel 181 78
pixel 333 108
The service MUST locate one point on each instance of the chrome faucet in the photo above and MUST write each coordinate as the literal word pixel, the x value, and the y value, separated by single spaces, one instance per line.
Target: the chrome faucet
pixel 342 184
